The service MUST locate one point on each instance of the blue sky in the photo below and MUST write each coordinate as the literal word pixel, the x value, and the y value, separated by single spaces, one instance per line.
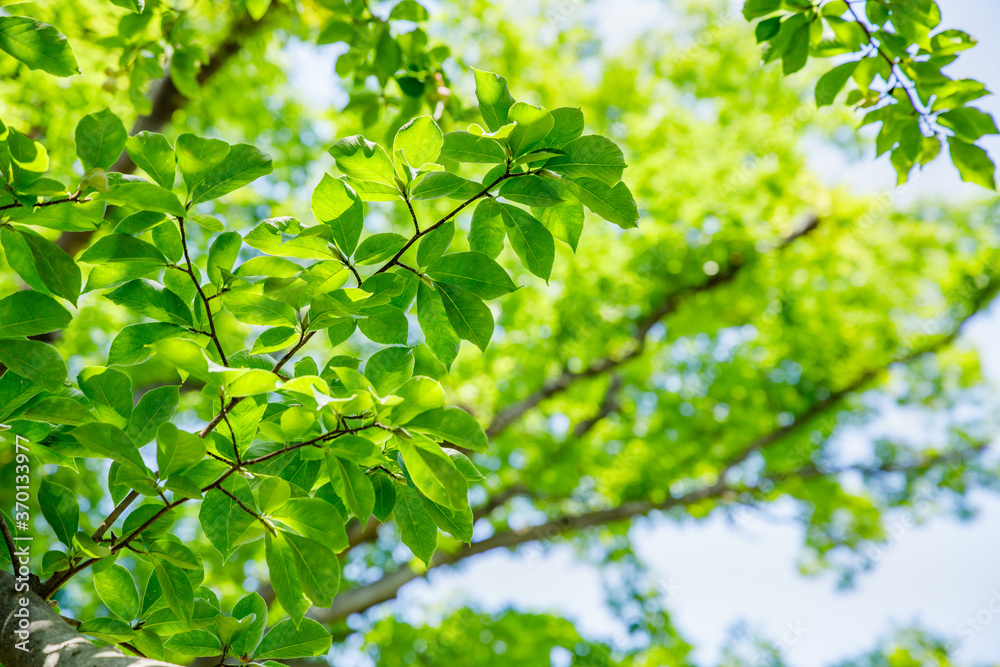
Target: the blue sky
pixel 717 573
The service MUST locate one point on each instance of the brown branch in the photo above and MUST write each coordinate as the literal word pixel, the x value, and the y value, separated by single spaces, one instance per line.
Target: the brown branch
pixel 567 377
pixel 115 513
pixel 166 100
pixel 482 193
pixel 364 597
pixel 235 401
pixel 213 334
pixel 48 588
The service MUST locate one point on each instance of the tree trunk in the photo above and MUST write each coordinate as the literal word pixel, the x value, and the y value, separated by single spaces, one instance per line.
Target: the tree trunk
pixel 51 642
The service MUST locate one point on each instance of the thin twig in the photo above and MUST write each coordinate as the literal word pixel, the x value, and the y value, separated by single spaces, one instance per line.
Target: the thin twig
pixel 115 513
pixel 208 307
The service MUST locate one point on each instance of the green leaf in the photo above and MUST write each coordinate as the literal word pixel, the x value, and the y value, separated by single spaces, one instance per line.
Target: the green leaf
pixel 251 382
pixel 222 255
pixel 117 590
pixel 433 471
pixel 35 361
pixel 197 157
pixel 466 467
pixel 467 147
pixel 969 124
pixel 754 9
pixel 67 217
pixel 285 581
pixel 336 205
pixel 435 243
pixel 195 643
pixel 416 527
pixel 111 442
pixel 438 184
pixel 379 247
pixel 592 156
pixel 107 629
pixel 530 190
pixel 147 298
pixel 56 269
pixel 100 139
pixel 533 124
pixel 20 259
pixel 38 45
pixel 564 220
pixel 316 519
pixel 110 391
pixel 384 324
pixel 797 53
pixel 363 160
pixel 972 162
pixel 286 640
pixel 167 239
pixel 352 486
pixel 129 346
pixel 246 641
pixel 177 589
pixel 288 238
pixel 474 272
pixel 226 523
pixel 452 424
pixel 252 308
pixel 532 242
pixel 318 568
pixel 29 313
pixel 470 318
pixel 456 522
pixel 439 334
pixel 58 410
pixel 831 83
pixel 494 99
pixel 60 509
pixel 154 408
pixel 355 448
pixel 385 495
pixel 408 10
pixel 143 196
pixel 152 153
pixel 420 140
pixel 567 125
pixel 389 368
pixel 242 165
pixel 122 248
pixel 487 232
pixel 272 340
pixel 613 204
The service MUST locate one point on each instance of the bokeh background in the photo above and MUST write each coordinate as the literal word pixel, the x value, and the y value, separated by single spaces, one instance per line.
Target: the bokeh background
pixel 725 577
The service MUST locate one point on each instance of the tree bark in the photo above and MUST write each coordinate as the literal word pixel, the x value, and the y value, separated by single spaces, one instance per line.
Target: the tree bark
pixel 51 642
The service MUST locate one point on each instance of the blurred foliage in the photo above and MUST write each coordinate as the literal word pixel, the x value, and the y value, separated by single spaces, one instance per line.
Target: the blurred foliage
pixel 710 362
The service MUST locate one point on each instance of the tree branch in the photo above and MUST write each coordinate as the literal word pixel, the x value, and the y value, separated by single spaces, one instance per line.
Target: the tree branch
pixel 166 100
pixel 361 598
pixel 52 640
pixel 201 293
pixel 567 378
